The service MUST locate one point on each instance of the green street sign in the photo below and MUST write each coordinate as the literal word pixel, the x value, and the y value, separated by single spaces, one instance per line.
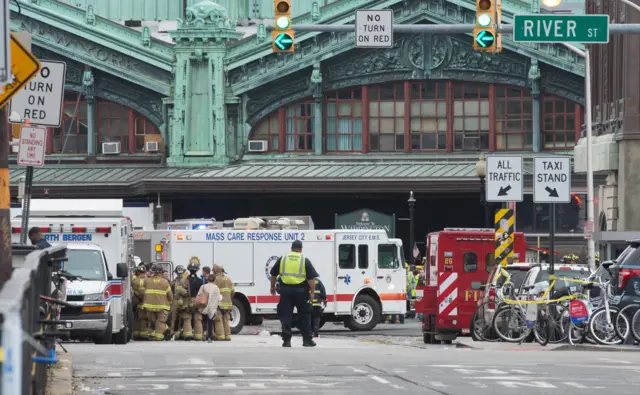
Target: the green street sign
pixel 587 29
pixel 485 38
pixel 283 41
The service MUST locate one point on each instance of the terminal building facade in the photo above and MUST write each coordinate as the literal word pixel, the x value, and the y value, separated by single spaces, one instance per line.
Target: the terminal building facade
pixel 201 114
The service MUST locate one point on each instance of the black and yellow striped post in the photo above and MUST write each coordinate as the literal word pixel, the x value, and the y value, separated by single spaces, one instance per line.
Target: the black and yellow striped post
pixel 505 226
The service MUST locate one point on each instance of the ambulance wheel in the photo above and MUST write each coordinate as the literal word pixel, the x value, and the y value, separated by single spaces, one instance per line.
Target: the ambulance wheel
pixel 107 337
pixel 122 337
pixel 365 314
pixel 238 316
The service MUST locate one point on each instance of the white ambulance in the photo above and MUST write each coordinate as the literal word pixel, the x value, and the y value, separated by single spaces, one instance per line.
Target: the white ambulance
pixel 96 229
pixel 361 269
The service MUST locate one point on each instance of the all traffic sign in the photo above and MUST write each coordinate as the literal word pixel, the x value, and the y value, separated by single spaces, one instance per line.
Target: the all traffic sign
pixel 552 179
pixel 504 179
pixel 24 67
pixel 591 29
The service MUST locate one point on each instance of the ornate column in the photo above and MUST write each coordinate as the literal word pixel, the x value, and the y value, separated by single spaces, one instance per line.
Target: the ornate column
pixel 198 135
pixel 316 86
pixel 534 76
pixel 88 84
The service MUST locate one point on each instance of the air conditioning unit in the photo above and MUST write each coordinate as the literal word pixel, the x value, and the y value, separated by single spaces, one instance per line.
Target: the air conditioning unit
pixel 257 145
pixel 112 148
pixel 151 146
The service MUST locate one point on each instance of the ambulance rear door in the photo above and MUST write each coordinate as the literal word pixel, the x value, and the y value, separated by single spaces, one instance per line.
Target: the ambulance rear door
pixel 388 264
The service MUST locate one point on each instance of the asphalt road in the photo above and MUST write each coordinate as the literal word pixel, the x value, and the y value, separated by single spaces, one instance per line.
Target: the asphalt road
pixel 259 365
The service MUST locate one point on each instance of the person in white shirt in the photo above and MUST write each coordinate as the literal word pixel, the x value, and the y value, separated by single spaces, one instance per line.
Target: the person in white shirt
pixel 209 311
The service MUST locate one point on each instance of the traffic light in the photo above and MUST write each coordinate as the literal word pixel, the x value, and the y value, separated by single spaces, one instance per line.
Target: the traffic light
pixel 282 35
pixel 485 37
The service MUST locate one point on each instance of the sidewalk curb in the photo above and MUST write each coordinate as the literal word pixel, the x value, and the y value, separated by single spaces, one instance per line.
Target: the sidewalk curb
pixel 60 376
pixel 463 345
pixel 593 347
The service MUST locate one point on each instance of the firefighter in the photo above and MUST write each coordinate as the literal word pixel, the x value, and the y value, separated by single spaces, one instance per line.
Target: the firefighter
pixel 157 299
pixel 188 288
pixel 224 283
pixel 140 323
pixel 597 259
pixel 176 327
pixel 319 299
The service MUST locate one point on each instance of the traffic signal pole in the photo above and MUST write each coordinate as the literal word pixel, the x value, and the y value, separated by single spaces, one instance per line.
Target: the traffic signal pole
pixel 614 28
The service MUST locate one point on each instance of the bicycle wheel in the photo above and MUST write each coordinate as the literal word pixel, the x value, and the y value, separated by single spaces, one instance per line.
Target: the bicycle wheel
pixel 635 326
pixel 559 323
pixel 510 325
pixel 629 311
pixel 481 324
pixel 542 329
pixel 577 333
pixel 603 332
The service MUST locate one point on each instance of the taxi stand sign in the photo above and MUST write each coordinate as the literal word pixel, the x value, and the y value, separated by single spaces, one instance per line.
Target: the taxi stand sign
pixel 552 179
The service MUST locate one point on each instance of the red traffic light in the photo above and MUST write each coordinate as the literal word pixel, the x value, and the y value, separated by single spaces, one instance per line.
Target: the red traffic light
pixel 484 5
pixel 283 7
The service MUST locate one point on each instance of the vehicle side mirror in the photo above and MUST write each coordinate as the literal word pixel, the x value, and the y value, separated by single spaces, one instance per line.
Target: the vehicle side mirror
pixel 109 276
pixel 122 270
pixel 477 285
pixel 607 264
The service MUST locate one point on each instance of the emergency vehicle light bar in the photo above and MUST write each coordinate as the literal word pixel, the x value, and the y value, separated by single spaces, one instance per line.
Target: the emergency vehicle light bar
pixel 19 230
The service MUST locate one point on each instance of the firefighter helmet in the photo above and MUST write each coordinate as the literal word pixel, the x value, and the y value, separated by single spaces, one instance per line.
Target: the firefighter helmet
pixel 141 269
pixel 193 267
pixel 180 269
pixel 157 268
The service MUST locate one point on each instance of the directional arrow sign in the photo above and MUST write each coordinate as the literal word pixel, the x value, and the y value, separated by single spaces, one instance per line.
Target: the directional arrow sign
pixel 485 38
pixel 552 179
pixel 504 179
pixel 283 41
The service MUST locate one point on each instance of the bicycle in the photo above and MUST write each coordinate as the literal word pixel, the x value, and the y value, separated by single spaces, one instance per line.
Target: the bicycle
pixel 481 327
pixel 635 323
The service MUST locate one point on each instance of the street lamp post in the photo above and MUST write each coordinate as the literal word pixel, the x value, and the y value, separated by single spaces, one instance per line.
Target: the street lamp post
pixel 412 208
pixel 481 171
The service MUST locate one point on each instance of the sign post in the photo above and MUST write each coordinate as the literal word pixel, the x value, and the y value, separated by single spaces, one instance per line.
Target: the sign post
pixel 552 184
pixel 504 179
pixel 374 28
pixel 40 101
pixel 5 43
pixel 588 29
pixel 33 143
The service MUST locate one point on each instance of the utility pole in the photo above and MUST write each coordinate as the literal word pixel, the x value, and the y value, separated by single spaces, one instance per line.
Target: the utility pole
pixel 5 212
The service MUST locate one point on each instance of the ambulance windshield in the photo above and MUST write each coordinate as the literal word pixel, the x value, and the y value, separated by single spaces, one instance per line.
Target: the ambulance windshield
pixel 87 264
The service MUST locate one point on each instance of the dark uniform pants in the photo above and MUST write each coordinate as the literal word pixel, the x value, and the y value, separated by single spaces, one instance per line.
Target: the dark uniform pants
pixel 297 297
pixel 316 317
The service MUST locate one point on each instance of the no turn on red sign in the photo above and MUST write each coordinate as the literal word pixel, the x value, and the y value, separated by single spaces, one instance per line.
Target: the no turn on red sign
pixel 33 144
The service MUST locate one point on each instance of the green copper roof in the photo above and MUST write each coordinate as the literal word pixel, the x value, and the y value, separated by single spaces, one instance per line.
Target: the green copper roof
pixel 274 170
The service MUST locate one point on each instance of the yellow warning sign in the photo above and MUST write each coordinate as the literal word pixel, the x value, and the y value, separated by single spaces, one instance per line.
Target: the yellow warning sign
pixel 24 66
pixel 505 226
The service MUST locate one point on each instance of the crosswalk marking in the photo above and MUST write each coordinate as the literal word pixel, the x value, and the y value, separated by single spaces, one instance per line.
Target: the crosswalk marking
pixel 235 372
pixel 257 385
pixel 115 374
pixel 229 385
pixel 437 384
pixel 209 373
pixel 479 385
pixel 148 374
pixel 576 385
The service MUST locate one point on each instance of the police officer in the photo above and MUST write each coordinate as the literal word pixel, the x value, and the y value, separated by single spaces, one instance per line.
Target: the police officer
pixel 157 300
pixel 140 323
pixel 188 288
pixel 176 327
pixel 319 298
pixel 296 275
pixel 221 323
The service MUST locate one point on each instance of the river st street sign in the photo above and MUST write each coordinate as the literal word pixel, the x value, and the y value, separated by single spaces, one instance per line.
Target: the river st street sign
pixel 588 29
pixel 552 179
pixel 504 179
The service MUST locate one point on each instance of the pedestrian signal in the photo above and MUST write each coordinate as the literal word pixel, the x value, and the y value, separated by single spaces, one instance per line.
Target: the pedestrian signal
pixel 282 37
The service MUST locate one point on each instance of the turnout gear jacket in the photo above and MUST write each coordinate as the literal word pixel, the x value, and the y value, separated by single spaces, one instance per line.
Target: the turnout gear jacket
pixel 319 295
pixel 157 294
pixel 138 290
pixel 227 290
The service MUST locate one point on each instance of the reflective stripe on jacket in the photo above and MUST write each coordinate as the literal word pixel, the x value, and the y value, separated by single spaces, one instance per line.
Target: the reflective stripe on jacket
pixel 292 269
pixel 225 285
pixel 157 294
pixel 316 295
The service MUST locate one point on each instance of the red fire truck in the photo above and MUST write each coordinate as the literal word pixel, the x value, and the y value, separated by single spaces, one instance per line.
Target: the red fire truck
pixel 455 258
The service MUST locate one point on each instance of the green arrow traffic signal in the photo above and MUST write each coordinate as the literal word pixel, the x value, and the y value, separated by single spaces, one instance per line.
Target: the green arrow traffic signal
pixel 283 41
pixel 485 38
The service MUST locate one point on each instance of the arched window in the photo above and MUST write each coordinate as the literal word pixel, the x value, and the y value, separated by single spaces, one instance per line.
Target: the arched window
pixel 514 119
pixel 267 130
pixel 470 116
pixel 344 120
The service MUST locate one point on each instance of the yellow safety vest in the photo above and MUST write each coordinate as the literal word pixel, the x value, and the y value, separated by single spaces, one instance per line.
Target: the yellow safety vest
pixel 292 269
